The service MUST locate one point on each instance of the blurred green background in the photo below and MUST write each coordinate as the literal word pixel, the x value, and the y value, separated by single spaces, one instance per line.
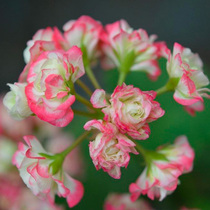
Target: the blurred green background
pixel 186 22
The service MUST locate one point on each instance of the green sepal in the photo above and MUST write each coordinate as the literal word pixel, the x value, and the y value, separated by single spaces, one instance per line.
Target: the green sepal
pixel 46 155
pixel 154 156
pixel 84 55
pixel 57 163
pixel 127 62
pixel 172 83
pixel 151 156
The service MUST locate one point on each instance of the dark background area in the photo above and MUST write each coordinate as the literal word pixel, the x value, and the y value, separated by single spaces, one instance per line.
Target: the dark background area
pixel 183 21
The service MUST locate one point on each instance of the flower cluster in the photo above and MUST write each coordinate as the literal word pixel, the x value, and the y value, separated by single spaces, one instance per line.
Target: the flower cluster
pixel 47 90
pixel 54 62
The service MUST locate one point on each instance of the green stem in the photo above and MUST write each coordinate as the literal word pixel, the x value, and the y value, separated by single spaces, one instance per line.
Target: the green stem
pixel 122 77
pixel 85 114
pixel 57 159
pixel 162 90
pixel 169 86
pixel 141 150
pixel 97 114
pixel 84 101
pixel 84 87
pixel 92 77
pixel 75 144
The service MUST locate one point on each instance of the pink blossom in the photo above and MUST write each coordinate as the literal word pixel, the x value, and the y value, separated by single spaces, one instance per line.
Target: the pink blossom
pixel 84 33
pixel 130 109
pixel 160 177
pixel 185 70
pixel 50 79
pixel 124 46
pixel 180 154
pixel 110 149
pixel 48 35
pixel 116 201
pixel 36 174
pixel 156 182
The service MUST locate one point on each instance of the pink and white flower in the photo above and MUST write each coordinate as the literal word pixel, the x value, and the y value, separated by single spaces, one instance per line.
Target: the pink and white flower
pixel 16 103
pixel 84 33
pixel 160 177
pixel 35 171
pixel 130 109
pixel 156 182
pixel 50 79
pixel 46 35
pixel 116 201
pixel 110 149
pixel 185 70
pixel 180 154
pixel 134 50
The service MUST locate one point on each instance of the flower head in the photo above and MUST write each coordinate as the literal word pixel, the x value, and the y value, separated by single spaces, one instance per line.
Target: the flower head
pixel 50 81
pixel 110 149
pixel 130 109
pixel 48 35
pixel 185 70
pixel 37 175
pixel 130 50
pixel 84 33
pixel 160 177
pixel 180 154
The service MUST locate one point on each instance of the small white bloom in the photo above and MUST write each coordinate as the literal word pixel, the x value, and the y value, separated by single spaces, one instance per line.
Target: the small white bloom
pixel 16 103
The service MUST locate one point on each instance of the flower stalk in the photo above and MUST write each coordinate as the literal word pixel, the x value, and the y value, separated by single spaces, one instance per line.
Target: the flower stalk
pixel 84 87
pixel 122 77
pixel 92 77
pixel 75 144
pixel 84 101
